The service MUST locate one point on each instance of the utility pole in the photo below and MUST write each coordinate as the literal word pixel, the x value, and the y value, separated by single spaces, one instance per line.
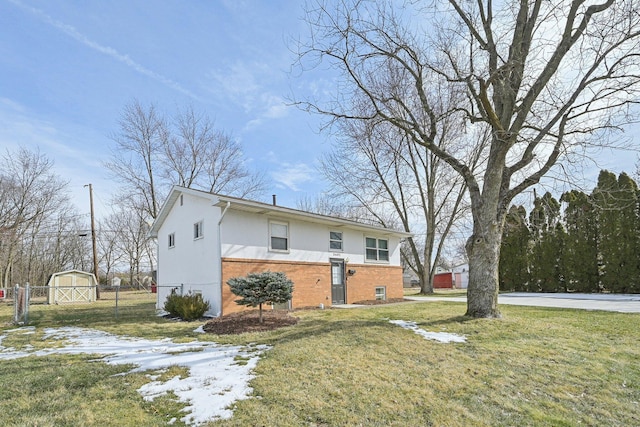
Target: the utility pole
pixel 93 241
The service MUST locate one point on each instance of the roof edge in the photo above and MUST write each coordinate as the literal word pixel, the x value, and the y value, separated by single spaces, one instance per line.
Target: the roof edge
pixel 221 200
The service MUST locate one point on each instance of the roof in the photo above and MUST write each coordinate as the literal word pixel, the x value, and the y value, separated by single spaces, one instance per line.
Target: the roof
pixel 260 208
pixel 60 273
pixel 73 272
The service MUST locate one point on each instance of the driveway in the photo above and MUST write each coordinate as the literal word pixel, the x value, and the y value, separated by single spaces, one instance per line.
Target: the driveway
pixel 623 303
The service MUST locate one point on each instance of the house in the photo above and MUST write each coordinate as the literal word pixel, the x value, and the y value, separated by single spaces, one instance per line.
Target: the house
pixel 205 239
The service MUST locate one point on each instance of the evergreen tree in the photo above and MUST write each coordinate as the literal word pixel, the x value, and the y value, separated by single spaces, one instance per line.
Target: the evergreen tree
pixel 618 220
pixel 514 252
pixel 560 235
pixel 261 288
pixel 580 254
pixel 593 246
pixel 605 197
pixel 546 248
pixel 625 265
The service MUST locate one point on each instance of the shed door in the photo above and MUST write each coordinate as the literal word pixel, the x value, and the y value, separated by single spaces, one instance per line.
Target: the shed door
pixel 337 282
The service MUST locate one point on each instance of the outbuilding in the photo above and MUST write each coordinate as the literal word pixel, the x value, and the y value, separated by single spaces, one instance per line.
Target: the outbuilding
pixel 72 286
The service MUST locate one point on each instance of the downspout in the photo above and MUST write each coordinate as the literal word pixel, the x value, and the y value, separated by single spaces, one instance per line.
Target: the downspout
pixel 224 211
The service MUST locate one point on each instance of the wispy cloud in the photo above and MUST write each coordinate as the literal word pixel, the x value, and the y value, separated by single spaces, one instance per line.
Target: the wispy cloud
pixel 20 128
pixel 273 107
pixel 237 83
pixel 241 83
pixel 75 160
pixel 106 50
pixel 292 176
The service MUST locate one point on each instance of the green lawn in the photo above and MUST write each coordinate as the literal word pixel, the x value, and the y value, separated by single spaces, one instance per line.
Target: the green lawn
pixel 352 367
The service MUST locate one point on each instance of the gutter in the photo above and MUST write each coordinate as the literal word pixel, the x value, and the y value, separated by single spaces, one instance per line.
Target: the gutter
pixel 224 211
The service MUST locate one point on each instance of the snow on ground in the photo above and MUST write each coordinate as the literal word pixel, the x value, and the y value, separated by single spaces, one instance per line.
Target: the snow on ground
pixel 445 337
pixel 215 378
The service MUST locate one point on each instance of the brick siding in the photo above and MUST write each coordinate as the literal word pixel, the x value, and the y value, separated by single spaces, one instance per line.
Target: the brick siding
pixel 312 281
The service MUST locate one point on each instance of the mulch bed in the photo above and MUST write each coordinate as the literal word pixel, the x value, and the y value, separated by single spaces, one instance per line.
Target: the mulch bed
pixel 249 321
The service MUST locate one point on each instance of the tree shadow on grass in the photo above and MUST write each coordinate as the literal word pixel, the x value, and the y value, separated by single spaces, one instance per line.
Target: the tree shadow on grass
pixel 315 327
pixel 447 321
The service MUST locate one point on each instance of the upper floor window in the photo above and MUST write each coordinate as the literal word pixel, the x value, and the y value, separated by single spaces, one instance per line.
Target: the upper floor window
pixel 335 240
pixel 172 240
pixel 376 249
pixel 279 236
pixel 198 230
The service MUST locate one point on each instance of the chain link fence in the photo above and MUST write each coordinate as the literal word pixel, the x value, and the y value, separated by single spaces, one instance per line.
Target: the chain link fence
pixel 28 303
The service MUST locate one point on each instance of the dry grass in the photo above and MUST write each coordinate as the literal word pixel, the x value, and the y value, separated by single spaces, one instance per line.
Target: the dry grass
pixel 352 367
pixel 535 367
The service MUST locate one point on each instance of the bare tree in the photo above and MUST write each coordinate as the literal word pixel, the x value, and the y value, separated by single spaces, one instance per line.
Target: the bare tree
pixel 30 195
pixel 152 153
pixel 56 244
pixel 197 155
pixel 402 184
pixel 109 254
pixel 136 157
pixel 130 230
pixel 546 78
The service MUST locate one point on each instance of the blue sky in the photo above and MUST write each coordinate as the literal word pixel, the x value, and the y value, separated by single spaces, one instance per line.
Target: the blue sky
pixel 68 68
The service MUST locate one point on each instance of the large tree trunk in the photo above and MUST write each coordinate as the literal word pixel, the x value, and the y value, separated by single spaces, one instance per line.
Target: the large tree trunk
pixel 483 247
pixel 426 283
pixel 482 291
pixel 426 280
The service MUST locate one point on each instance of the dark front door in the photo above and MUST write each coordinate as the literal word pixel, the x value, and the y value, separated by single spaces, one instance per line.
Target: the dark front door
pixel 337 282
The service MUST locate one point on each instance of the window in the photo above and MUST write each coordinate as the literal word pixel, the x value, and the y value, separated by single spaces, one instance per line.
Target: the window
pixel 381 293
pixel 377 249
pixel 279 236
pixel 335 240
pixel 198 230
pixel 172 240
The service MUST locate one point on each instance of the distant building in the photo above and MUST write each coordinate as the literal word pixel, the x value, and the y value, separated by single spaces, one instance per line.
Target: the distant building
pixel 461 276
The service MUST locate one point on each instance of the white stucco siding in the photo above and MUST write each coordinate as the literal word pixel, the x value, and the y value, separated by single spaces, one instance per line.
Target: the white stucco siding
pixel 192 263
pixel 246 236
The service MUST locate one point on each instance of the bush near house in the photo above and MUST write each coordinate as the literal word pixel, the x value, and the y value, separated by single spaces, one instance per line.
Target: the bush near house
pixel 187 307
pixel 260 288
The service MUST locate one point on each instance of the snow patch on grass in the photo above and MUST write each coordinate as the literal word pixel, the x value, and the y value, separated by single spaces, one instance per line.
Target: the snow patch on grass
pixel 444 337
pixel 215 378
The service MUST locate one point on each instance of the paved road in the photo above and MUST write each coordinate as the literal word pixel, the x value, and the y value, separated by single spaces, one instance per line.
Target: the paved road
pixel 621 303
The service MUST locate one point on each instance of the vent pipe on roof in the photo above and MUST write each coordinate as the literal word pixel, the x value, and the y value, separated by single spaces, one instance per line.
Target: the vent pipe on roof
pixel 274 199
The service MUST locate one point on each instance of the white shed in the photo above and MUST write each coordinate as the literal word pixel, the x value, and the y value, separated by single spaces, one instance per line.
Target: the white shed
pixel 72 286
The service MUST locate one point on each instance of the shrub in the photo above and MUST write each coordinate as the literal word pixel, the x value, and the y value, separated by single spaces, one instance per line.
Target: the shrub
pixel 171 303
pixel 187 307
pixel 259 288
